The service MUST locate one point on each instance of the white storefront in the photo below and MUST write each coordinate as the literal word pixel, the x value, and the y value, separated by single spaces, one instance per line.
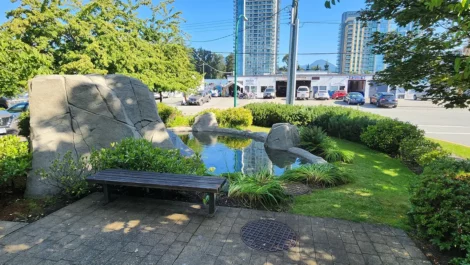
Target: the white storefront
pixel 314 80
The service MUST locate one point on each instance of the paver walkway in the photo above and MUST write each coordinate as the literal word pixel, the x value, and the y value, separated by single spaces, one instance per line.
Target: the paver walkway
pixel 9 227
pixel 146 231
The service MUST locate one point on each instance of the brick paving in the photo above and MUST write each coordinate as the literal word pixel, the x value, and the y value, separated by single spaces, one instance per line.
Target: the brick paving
pixel 147 231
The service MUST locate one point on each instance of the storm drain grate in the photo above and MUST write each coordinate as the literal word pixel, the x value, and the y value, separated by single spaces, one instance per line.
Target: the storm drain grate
pixel 268 235
pixel 296 188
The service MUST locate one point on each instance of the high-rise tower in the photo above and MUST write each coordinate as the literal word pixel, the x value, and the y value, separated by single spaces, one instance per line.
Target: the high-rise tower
pixel 258 38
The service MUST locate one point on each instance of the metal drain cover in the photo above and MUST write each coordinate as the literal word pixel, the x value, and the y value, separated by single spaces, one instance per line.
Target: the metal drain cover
pixel 296 188
pixel 268 235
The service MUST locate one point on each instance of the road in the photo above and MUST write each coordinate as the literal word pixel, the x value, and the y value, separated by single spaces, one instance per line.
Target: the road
pixel 451 125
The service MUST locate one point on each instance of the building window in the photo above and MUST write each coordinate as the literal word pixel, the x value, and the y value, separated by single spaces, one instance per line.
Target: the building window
pixel 263 88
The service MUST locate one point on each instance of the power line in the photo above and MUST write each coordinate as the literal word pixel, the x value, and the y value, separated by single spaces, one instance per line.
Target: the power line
pixel 223 37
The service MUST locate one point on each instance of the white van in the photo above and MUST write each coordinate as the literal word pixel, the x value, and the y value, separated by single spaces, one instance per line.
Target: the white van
pixel 303 92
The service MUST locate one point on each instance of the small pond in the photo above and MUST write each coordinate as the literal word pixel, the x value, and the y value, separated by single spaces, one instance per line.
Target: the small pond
pixel 234 154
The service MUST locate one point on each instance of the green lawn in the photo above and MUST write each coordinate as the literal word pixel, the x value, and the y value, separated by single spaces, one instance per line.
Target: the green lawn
pixel 254 128
pixel 378 194
pixel 456 149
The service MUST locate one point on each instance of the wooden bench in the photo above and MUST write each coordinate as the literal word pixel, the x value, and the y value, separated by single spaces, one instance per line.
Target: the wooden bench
pixel 121 177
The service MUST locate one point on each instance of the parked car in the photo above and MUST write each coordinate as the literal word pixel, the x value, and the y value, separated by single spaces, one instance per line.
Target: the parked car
pixel 374 98
pixel 354 98
pixel 303 92
pixel 423 95
pixel 386 100
pixel 339 94
pixel 322 94
pixel 214 93
pixel 269 93
pixel 199 98
pixel 9 118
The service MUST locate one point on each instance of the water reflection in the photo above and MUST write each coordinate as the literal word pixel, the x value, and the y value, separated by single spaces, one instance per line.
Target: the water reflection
pixel 233 154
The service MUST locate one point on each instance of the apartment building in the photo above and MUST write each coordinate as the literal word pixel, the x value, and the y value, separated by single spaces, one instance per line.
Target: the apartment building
pixel 354 51
pixel 258 38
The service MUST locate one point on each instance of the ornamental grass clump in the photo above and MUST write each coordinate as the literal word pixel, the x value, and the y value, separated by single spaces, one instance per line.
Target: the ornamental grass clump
pixel 317 175
pixel 261 189
pixel 315 140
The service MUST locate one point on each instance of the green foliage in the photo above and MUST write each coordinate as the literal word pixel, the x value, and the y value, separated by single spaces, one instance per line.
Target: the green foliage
pixel 99 36
pixel 260 189
pixel 180 121
pixel 317 175
pixel 387 135
pixel 166 112
pixel 440 205
pixel 420 151
pixel 446 73
pixel 229 63
pixel 23 124
pixel 214 64
pixel 232 117
pixel 139 154
pixel 316 141
pixel 15 159
pixel 234 142
pixel 339 122
pixel 68 174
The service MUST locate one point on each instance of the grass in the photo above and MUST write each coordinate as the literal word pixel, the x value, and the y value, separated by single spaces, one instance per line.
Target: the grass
pixel 456 149
pixel 254 128
pixel 378 192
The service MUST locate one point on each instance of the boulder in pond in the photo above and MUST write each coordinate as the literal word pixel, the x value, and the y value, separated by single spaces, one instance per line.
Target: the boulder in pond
pixel 282 137
pixel 204 122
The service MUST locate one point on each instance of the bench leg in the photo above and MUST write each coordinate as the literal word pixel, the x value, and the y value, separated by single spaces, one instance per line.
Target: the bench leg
pixel 211 204
pixel 107 193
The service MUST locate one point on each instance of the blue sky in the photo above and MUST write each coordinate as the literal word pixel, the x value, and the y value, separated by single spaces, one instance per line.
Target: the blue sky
pixel 210 19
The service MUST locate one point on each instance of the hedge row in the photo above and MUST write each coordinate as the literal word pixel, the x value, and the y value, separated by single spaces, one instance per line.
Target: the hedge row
pixel 377 132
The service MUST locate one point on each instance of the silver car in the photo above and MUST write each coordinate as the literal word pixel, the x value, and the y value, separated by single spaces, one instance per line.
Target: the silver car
pixel 199 98
pixel 269 93
pixel 9 118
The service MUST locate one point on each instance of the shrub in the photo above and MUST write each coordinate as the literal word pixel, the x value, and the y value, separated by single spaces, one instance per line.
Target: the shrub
pixel 23 124
pixel 420 151
pixel 165 112
pixel 15 158
pixel 260 189
pixel 316 141
pixel 387 135
pixel 179 121
pixel 232 117
pixel 441 206
pixel 323 175
pixel 140 154
pixel 68 175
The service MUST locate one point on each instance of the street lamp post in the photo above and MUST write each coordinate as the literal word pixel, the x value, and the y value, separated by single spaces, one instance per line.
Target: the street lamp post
pixel 235 87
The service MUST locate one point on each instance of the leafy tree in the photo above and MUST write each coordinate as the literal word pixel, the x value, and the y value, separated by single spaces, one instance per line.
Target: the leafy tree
pixel 209 63
pixel 285 59
pixel 316 68
pixel 283 69
pixel 428 57
pixel 308 67
pixel 100 36
pixel 326 66
pixel 229 63
pixel 299 68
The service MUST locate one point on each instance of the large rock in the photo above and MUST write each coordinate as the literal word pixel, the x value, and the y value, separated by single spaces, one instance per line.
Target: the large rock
pixel 79 112
pixel 205 122
pixel 282 137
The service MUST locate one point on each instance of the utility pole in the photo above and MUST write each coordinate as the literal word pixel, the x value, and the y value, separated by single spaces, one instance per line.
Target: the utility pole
pixel 292 68
pixel 203 71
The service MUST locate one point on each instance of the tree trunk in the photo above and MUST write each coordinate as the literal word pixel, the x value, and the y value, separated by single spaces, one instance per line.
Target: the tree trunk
pixel 161 96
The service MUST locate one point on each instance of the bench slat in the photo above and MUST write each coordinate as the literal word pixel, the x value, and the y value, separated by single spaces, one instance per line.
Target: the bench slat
pixel 157 180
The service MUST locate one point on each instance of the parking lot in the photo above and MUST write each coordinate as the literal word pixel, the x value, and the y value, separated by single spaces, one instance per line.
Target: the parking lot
pixel 451 125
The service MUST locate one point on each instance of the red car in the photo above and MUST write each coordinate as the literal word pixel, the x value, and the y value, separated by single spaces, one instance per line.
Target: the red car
pixel 339 94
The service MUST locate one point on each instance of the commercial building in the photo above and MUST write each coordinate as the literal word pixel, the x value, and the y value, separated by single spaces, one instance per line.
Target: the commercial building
pixel 258 38
pixel 314 80
pixel 354 51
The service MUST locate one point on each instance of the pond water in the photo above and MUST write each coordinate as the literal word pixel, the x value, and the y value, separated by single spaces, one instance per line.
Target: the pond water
pixel 232 154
